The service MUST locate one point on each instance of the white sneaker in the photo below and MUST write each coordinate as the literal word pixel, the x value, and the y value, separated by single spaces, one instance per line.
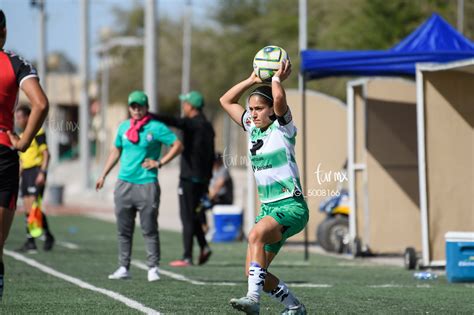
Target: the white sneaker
pixel 120 273
pixel 153 274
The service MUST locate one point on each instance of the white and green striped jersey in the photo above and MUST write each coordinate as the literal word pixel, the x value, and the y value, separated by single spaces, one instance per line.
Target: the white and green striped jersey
pixel 272 155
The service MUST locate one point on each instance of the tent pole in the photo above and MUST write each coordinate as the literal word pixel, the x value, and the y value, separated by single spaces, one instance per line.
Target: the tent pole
pixel 350 160
pixel 305 180
pixel 420 115
pixel 303 43
pixel 460 17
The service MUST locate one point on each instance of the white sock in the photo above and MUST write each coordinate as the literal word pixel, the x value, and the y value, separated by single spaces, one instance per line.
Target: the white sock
pixel 256 281
pixel 283 295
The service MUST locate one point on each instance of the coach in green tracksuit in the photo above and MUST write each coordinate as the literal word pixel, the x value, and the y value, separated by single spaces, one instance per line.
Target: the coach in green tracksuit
pixel 138 146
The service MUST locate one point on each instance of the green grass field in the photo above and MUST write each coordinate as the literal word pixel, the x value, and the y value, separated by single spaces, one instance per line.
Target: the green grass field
pixel 325 284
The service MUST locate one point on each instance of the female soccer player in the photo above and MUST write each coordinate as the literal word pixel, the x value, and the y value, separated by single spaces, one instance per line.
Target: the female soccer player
pixel 284 212
pixel 15 73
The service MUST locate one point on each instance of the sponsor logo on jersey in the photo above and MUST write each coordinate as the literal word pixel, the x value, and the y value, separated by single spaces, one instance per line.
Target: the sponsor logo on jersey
pixel 248 121
pixel 149 137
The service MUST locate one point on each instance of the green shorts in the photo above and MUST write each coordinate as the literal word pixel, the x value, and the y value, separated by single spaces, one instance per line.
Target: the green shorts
pixel 292 213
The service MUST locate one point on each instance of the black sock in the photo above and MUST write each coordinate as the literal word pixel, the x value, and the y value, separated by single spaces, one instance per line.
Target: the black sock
pixel 46 226
pixel 2 271
pixel 28 235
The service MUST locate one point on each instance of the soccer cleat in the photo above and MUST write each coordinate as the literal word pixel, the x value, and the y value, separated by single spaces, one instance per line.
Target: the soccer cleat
pixel 28 247
pixel 153 274
pixel 205 254
pixel 246 305
pixel 120 273
pixel 48 243
pixel 298 310
pixel 181 263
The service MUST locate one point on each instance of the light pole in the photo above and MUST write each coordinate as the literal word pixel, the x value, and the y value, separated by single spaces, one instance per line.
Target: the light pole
pixel 104 53
pixel 40 4
pixel 84 116
pixel 149 70
pixel 187 29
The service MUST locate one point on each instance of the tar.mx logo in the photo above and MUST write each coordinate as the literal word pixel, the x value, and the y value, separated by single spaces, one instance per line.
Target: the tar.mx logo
pixel 330 176
pixel 59 125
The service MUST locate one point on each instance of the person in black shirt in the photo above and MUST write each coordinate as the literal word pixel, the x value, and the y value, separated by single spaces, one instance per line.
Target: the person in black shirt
pixel 196 171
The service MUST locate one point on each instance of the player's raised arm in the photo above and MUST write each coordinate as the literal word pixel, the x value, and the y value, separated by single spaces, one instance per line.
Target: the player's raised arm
pixel 279 96
pixel 229 101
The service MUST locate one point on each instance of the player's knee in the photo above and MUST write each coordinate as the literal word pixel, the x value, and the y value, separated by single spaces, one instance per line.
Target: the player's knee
pixel 255 236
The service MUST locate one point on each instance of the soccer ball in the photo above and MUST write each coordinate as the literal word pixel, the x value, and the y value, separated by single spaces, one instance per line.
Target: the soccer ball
pixel 267 61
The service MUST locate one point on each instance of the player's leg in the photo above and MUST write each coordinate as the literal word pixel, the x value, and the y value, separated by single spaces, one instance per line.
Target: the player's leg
pixel 49 238
pixel 205 250
pixel 6 219
pixel 125 214
pixel 30 245
pixel 279 291
pixel 28 190
pixel 9 179
pixel 294 220
pixel 266 231
pixel 186 214
pixel 147 200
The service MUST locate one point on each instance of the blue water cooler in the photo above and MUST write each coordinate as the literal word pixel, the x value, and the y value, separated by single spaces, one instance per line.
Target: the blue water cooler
pixel 460 256
pixel 227 223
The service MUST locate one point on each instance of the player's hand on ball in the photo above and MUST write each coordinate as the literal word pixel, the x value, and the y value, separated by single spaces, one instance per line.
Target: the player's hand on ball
pixel 99 183
pixel 285 70
pixel 254 78
pixel 149 164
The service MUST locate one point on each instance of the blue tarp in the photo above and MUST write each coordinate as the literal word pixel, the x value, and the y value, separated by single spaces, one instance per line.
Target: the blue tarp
pixel 433 41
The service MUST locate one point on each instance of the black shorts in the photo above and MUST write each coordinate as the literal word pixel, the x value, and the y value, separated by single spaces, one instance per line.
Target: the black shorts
pixel 28 185
pixel 9 177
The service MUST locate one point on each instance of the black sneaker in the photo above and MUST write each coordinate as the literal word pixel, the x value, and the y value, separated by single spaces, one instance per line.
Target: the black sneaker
pixel 29 247
pixel 48 243
pixel 205 254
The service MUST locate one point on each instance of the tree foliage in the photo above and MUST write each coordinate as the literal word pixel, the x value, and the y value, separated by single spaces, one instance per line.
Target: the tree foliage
pixel 222 51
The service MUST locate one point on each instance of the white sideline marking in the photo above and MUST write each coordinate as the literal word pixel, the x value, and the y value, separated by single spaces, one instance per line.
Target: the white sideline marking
pixel 391 285
pixel 68 245
pixel 385 286
pixel 114 295
pixel 274 264
pixel 180 277
pixel 309 285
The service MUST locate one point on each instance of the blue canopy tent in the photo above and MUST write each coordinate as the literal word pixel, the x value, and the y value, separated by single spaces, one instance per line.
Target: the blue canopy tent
pixel 433 41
